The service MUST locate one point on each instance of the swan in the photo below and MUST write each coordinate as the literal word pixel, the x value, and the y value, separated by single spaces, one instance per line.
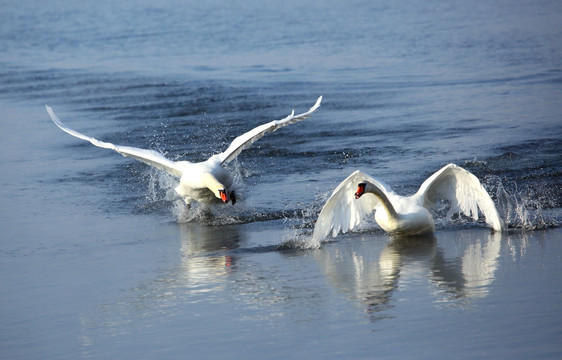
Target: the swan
pixel 204 181
pixel 399 215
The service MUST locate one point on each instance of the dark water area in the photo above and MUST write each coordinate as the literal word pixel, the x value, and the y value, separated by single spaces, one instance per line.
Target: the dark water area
pixel 100 259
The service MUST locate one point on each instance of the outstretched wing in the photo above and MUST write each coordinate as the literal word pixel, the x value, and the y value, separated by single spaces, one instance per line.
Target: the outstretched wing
pixel 342 212
pixel 150 157
pixel 246 140
pixel 464 192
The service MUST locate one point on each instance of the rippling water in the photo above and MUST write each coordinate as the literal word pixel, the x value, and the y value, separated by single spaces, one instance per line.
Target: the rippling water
pixel 101 260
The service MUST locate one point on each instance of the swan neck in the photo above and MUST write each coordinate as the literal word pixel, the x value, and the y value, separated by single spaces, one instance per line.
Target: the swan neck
pixel 384 201
pixel 212 183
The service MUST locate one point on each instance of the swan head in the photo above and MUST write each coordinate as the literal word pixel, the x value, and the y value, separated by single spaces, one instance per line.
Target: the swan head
pixel 223 195
pixel 360 190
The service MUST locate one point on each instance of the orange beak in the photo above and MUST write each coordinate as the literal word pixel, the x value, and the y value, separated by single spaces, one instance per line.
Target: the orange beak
pixel 360 190
pixel 223 195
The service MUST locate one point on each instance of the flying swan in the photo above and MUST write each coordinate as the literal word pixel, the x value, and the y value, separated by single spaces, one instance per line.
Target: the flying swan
pixel 411 215
pixel 202 181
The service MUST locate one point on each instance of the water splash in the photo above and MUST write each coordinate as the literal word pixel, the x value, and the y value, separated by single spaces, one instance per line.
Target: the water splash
pixel 161 195
pixel 525 208
pixel 221 214
pixel 161 185
pixel 300 219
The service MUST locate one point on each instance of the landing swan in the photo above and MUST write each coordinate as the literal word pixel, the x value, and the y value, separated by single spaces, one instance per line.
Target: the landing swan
pixel 202 181
pixel 401 215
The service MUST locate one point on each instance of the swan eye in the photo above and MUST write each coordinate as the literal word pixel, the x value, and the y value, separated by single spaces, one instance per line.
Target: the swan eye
pixel 223 196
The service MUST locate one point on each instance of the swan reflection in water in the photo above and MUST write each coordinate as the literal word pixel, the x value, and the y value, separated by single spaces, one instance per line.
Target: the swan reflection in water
pixel 370 272
pixel 201 269
pixel 198 274
pixel 214 268
pixel 205 254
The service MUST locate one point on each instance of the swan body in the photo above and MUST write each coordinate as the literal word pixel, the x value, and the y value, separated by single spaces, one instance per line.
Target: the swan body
pixel 400 215
pixel 206 181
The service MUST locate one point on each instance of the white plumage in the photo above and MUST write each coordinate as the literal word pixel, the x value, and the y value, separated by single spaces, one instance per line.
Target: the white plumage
pixel 203 181
pixel 401 215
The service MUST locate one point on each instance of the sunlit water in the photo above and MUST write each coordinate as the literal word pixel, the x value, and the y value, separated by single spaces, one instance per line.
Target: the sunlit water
pixel 100 259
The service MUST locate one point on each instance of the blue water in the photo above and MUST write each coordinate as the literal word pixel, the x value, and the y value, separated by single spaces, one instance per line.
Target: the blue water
pixel 99 259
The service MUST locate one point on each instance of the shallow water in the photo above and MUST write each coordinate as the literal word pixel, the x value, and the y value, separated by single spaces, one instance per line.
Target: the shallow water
pixel 99 258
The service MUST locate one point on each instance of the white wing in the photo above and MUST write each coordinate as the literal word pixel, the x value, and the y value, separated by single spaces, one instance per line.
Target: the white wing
pixel 342 212
pixel 246 140
pixel 150 157
pixel 463 190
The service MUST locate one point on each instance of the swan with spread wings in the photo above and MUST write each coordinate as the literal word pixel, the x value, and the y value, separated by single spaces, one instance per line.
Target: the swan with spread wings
pixel 205 181
pixel 400 215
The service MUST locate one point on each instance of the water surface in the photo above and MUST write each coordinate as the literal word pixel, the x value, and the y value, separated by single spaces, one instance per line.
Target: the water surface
pixel 99 259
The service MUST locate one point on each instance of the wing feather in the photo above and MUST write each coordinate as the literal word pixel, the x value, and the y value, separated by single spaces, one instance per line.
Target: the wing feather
pixel 150 157
pixel 244 141
pixel 463 190
pixel 342 212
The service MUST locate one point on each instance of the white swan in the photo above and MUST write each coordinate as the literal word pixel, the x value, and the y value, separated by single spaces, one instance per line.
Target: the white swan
pixel 196 179
pixel 400 215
